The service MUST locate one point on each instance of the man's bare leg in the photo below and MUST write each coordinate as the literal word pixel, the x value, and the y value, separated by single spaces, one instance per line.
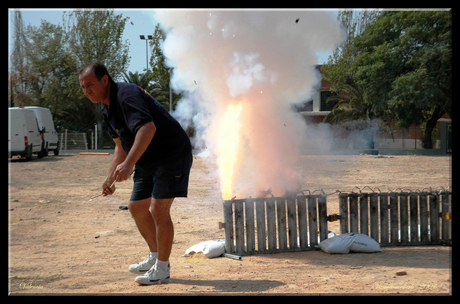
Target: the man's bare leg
pixel 140 210
pixel 153 219
pixel 160 211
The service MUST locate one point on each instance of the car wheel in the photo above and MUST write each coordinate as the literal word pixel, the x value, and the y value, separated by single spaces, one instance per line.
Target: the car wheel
pixel 29 153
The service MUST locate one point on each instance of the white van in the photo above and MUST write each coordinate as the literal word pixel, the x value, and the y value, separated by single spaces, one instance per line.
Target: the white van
pixel 45 123
pixel 24 136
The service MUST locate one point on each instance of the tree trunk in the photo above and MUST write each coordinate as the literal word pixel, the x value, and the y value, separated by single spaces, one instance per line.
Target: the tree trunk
pixel 430 125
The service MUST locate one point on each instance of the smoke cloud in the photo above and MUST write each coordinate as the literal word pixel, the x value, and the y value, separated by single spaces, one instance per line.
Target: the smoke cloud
pixel 239 73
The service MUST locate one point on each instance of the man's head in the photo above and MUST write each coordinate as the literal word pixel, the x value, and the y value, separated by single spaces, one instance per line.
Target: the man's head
pixel 95 82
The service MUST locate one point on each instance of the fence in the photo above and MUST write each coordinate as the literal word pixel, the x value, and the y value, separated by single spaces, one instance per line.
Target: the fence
pixel 72 140
pixel 298 223
pixel 410 138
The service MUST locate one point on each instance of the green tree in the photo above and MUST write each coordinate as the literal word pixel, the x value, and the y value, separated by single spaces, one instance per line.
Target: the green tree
pixel 50 65
pixel 93 36
pixel 402 60
pixel 339 67
pixel 161 74
pixel 405 65
pixel 46 59
pixel 340 72
pixel 19 70
pixel 96 36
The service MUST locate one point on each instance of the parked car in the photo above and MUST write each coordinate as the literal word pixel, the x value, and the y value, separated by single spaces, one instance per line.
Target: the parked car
pixel 24 136
pixel 46 125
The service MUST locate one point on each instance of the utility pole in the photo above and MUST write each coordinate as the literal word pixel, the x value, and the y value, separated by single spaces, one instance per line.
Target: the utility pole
pixel 149 37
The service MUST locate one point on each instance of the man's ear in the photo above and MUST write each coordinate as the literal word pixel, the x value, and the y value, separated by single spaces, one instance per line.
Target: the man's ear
pixel 105 79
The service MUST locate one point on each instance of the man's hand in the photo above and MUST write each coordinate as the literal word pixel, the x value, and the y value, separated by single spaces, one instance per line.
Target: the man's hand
pixel 141 142
pixel 123 171
pixel 106 189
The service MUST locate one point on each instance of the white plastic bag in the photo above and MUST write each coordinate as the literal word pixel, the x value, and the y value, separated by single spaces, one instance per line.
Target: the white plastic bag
pixel 354 242
pixel 337 244
pixel 211 249
pixel 364 243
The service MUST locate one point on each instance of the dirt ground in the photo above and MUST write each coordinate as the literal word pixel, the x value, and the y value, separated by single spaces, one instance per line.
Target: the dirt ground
pixel 62 243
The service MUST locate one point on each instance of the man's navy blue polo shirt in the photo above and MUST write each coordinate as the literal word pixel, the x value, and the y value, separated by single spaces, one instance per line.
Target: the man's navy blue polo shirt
pixel 132 107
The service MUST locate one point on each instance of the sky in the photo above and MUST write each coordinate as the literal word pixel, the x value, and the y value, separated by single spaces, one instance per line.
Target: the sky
pixel 144 24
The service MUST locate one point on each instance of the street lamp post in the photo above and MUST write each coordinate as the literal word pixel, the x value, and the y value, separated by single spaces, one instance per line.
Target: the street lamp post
pixel 149 37
pixel 170 90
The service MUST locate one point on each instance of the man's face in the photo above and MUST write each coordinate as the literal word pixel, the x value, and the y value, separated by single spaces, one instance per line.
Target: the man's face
pixel 96 90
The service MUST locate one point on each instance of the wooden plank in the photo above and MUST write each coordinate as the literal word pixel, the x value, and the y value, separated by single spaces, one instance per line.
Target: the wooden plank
pixel 343 211
pixel 450 218
pixel 239 226
pixel 228 220
pixel 449 226
pixel 363 213
pixel 312 221
pixel 281 216
pixel 292 225
pixel 374 215
pixel 354 220
pixel 271 223
pixel 302 216
pixel 322 214
pixel 434 219
pixel 94 153
pixel 260 222
pixel 404 217
pixel 444 221
pixel 413 212
pixel 424 218
pixel 394 218
pixel 384 218
pixel 250 228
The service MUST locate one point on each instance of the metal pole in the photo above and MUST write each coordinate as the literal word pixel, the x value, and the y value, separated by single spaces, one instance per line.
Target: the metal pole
pixel 147 53
pixel 95 136
pixel 170 91
pixel 65 143
pixel 149 37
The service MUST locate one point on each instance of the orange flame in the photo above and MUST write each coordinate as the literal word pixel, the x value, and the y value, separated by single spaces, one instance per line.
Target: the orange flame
pixel 229 146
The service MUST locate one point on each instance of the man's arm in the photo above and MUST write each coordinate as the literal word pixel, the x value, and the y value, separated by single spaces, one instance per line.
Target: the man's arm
pixel 118 157
pixel 143 138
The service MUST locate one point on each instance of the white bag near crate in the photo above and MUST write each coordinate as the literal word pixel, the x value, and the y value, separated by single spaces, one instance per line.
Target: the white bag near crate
pixel 211 249
pixel 354 242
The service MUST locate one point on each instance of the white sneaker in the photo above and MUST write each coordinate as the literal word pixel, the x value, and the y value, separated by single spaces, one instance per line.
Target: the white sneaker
pixel 143 266
pixel 153 276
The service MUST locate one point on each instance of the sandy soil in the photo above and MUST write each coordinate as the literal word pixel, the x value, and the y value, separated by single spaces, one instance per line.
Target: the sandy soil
pixel 61 243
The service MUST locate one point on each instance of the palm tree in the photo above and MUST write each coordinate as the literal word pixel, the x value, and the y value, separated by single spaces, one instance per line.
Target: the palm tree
pixel 155 89
pixel 354 107
pixel 143 80
pixel 350 107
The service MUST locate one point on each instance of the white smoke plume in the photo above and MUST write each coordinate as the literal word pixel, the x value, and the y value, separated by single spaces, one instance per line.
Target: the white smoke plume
pixel 263 61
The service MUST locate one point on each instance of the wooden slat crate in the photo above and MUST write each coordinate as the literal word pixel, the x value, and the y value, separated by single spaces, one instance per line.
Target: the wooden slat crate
pixel 276 224
pixel 398 218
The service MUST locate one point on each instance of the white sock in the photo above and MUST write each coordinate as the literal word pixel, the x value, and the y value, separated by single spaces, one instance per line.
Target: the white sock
pixel 162 265
pixel 153 255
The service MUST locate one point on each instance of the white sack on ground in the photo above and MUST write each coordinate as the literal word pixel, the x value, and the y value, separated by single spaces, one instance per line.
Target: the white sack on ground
pixel 354 242
pixel 211 249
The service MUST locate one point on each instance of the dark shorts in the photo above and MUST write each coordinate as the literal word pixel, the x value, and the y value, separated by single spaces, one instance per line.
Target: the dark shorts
pixel 162 181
